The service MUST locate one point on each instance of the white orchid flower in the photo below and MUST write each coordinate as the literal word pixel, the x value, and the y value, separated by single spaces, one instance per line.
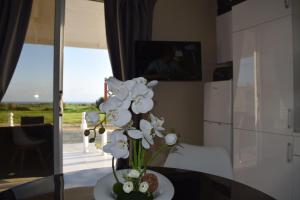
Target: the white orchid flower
pixel 113 83
pixel 118 146
pixel 133 173
pixel 142 99
pixel 146 129
pixel 153 83
pixel 140 80
pixel 171 139
pixel 157 125
pixel 144 186
pixel 120 89
pixel 92 117
pixel 116 111
pixel 144 134
pixel 135 134
pixel 128 186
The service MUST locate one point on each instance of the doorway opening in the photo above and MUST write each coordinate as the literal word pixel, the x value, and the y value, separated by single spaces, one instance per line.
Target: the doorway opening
pixel 86 65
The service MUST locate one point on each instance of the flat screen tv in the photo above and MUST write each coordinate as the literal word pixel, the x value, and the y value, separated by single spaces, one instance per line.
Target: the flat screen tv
pixel 165 60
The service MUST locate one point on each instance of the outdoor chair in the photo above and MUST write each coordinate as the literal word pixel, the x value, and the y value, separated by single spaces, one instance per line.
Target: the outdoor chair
pixel 26 144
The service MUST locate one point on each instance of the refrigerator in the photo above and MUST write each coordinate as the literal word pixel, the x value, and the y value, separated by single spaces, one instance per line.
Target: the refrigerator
pixel 218 115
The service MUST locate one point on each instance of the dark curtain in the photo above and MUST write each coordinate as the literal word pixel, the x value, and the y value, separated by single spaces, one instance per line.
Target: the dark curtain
pixel 126 22
pixel 14 19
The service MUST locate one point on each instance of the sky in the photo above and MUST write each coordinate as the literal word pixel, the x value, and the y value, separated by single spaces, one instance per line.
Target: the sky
pixel 84 74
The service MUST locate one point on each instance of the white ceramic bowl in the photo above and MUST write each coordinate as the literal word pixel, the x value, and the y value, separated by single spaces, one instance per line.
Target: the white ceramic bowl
pixel 103 188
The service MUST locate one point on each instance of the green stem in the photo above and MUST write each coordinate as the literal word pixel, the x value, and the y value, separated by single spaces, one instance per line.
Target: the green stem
pixel 143 157
pixel 100 123
pixel 134 155
pixel 131 154
pixel 139 155
pixel 114 170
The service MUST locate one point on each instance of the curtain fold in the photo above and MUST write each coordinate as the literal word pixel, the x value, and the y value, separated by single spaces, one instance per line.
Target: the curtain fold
pixel 126 22
pixel 14 20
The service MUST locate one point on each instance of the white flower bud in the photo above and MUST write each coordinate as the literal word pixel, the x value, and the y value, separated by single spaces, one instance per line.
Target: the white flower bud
pixel 171 139
pixel 133 173
pixel 128 186
pixel 144 186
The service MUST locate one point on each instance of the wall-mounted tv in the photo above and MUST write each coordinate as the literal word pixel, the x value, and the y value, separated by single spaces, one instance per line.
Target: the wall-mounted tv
pixel 165 60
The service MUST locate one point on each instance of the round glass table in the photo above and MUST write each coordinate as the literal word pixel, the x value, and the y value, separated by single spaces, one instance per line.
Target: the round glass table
pixel 187 184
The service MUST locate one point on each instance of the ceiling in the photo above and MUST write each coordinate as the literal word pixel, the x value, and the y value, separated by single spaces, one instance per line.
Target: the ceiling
pixel 41 24
pixel 84 24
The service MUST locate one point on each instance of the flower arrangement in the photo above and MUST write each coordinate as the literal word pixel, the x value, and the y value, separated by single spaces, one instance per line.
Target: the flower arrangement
pixel 127 98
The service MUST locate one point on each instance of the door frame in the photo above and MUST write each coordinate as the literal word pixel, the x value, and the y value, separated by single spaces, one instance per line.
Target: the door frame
pixel 58 85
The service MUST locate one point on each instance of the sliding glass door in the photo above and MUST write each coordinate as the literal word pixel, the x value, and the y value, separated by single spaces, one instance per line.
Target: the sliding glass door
pixel 58 84
pixel 30 136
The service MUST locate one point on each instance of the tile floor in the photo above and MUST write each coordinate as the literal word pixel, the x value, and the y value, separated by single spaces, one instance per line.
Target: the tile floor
pixel 74 158
pixel 84 169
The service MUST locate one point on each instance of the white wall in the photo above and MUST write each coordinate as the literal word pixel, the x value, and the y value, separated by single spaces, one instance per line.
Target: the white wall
pixel 181 103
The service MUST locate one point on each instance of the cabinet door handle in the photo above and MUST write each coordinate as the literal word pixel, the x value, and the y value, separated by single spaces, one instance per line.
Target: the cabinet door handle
pixel 286 4
pixel 289 122
pixel 289 157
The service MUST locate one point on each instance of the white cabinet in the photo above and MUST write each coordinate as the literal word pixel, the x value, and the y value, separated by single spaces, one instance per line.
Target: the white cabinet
pixel 244 80
pixel 296 41
pixel 296 178
pixel 254 12
pixel 297 146
pixel 264 161
pixel 224 38
pixel 263 77
pixel 296 169
pixel 266 96
pixel 217 101
pixel 274 68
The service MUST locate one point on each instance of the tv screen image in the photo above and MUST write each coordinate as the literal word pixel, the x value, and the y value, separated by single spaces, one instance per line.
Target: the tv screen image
pixel 165 60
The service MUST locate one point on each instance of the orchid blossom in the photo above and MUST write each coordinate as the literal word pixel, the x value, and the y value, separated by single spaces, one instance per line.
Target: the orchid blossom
pixel 157 125
pixel 151 84
pixel 140 80
pixel 144 134
pixel 120 89
pixel 124 96
pixel 142 99
pixel 92 117
pixel 118 146
pixel 116 111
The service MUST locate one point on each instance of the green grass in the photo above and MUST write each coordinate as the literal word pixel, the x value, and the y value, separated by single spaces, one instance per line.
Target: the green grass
pixel 72 112
pixel 76 108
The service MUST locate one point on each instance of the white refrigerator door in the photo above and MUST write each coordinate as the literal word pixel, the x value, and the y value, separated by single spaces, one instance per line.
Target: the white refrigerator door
pixel 219 135
pixel 217 101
